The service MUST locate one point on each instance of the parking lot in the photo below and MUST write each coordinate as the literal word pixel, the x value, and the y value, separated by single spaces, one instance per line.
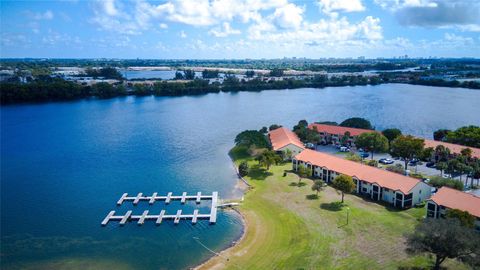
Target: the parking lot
pixel 330 149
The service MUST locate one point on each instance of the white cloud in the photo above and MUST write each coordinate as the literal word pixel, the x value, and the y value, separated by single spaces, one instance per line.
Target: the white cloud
pixel 331 30
pixel 459 14
pixel 183 34
pixel 224 31
pixel 163 26
pixel 47 15
pixel 288 16
pixel 329 6
pixel 399 4
pixel 109 7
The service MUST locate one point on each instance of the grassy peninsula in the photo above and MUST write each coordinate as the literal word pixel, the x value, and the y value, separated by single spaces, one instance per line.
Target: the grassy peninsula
pixel 288 228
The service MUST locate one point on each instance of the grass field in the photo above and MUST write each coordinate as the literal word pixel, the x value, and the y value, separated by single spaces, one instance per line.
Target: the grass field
pixel 288 228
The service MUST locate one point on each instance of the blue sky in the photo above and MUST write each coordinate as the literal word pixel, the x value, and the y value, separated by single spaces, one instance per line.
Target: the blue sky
pixel 179 29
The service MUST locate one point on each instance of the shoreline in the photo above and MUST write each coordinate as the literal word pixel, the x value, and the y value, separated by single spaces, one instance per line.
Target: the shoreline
pixel 243 219
pixel 232 245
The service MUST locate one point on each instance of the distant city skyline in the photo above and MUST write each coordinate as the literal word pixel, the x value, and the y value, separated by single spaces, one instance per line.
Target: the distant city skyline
pixel 227 29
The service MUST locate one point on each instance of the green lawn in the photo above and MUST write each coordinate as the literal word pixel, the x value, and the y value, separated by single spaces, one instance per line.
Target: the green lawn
pixel 287 229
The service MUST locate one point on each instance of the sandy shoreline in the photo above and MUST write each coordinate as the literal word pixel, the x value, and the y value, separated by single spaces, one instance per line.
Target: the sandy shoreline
pixel 232 245
pixel 242 218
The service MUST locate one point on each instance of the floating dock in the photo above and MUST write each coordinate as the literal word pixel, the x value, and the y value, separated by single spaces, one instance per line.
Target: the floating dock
pixel 158 218
pixel 198 197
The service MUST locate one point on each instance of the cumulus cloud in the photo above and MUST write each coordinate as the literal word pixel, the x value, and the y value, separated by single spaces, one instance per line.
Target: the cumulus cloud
pixel 267 21
pixel 461 14
pixel 288 16
pixel 332 30
pixel 47 15
pixel 329 6
pixel 224 31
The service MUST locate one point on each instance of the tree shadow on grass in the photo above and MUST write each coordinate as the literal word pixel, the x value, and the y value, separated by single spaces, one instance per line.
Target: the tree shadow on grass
pixel 258 173
pixel 312 197
pixel 297 184
pixel 333 206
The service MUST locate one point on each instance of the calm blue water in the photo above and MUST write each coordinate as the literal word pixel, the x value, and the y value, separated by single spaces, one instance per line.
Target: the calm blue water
pixel 149 74
pixel 64 165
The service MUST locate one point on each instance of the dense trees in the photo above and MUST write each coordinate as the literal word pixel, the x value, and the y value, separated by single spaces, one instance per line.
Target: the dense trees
pixel 249 73
pixel 465 218
pixel 107 73
pixel 243 168
pixel 406 147
pixel 209 74
pixel 276 72
pixel 305 134
pixel 268 158
pixel 440 134
pixel 54 89
pixel 438 182
pixel 251 138
pixel 469 136
pixel 344 183
pixel 391 133
pixel 372 142
pixel 273 127
pixel 445 238
pixel 357 122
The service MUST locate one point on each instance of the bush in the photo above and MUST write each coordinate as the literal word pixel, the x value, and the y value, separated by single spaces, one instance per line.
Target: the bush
pixel 243 169
pixel 439 182
pixel 353 157
pixel 372 163
pixel 417 175
pixel 397 168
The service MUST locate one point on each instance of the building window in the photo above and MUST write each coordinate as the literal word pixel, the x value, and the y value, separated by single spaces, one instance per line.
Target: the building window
pixel 420 191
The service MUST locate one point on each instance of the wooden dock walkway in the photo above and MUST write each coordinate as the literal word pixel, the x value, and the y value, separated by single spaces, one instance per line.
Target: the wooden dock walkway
pixel 128 216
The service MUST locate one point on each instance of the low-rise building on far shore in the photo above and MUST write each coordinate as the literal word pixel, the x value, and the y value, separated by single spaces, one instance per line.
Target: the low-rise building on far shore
pixel 448 198
pixel 379 185
pixel 333 134
pixel 282 139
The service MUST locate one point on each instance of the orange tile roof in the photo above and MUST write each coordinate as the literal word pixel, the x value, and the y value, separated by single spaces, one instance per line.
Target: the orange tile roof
pixel 454 148
pixel 338 129
pixel 282 137
pixel 390 180
pixel 456 199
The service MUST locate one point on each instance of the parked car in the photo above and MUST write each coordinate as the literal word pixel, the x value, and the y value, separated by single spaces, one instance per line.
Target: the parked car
pixel 364 154
pixel 413 161
pixel 310 145
pixel 430 164
pixel 344 149
pixel 426 180
pixel 386 161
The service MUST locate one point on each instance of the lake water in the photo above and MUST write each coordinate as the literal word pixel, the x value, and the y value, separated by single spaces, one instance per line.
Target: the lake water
pixel 64 165
pixel 148 74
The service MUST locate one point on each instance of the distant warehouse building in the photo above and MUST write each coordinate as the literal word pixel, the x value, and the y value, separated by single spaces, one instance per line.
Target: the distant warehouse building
pixel 333 134
pixel 283 139
pixel 379 185
pixel 448 198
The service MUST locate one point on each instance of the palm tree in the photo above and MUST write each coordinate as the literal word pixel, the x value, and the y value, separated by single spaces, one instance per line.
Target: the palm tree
pixel 441 166
pixel 303 171
pixel 318 186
